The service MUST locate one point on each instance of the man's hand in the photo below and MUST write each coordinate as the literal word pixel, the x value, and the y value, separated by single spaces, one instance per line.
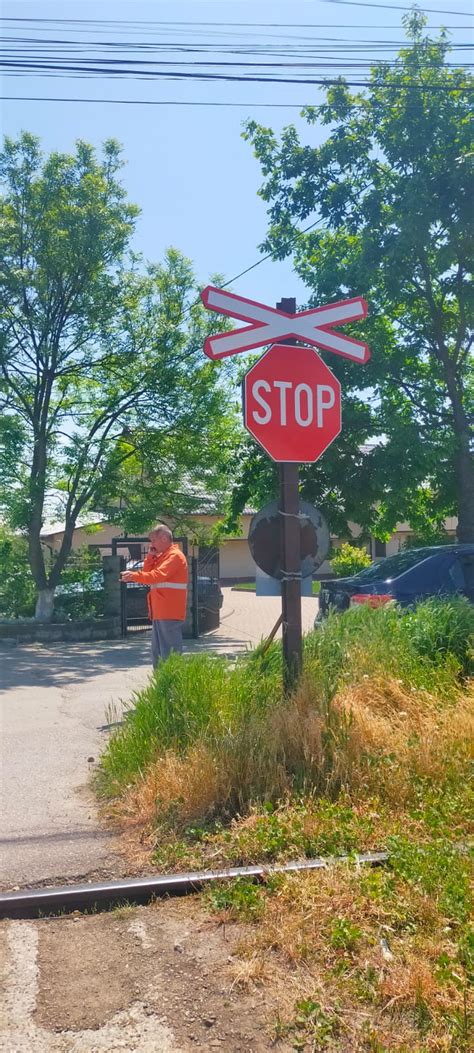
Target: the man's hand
pixel 126 575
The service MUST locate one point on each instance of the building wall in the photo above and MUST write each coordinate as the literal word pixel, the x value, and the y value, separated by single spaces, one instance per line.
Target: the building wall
pixel 82 537
pixel 235 559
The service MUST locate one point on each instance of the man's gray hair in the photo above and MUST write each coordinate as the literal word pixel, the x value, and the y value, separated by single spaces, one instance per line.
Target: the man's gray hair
pixel 161 528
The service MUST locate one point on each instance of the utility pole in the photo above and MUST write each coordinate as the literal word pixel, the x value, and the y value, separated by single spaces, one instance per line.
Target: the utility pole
pixel 290 545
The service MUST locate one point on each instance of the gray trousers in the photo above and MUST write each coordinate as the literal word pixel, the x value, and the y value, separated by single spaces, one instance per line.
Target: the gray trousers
pixel 166 636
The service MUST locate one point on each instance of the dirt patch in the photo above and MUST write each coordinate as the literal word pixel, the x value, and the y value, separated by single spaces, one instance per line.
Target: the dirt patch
pixel 171 959
pixel 86 969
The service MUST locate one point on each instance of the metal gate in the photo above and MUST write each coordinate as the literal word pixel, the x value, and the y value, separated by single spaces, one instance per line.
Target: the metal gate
pixel 204 597
pixel 207 588
pixel 132 551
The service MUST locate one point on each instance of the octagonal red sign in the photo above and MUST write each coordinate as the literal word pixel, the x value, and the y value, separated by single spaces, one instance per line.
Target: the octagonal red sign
pixel 292 404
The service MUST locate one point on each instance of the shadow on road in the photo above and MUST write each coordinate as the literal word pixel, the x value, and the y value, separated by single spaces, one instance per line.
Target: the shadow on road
pixel 62 664
pixel 58 665
pixel 67 835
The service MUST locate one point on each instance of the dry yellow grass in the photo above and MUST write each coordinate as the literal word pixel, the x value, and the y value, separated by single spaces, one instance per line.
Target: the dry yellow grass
pixel 324 751
pixel 419 734
pixel 393 973
pixel 183 789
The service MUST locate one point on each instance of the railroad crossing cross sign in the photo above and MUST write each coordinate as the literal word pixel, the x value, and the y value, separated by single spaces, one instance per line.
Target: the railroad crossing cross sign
pixel 270 324
pixel 292 404
pixel 292 407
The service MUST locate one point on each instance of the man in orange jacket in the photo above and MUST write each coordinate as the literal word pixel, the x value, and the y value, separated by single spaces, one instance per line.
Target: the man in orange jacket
pixel 165 570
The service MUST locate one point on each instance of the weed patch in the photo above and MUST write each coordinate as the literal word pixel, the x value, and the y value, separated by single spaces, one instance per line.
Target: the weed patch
pixel 215 766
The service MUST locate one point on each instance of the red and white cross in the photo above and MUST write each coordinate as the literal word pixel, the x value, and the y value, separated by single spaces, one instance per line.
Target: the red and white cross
pixel 270 325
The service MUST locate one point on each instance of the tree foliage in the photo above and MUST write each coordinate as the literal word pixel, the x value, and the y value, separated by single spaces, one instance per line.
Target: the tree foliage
pixel 104 390
pixel 392 185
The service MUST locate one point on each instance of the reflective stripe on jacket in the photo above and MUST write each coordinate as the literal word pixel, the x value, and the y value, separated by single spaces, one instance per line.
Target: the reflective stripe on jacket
pixel 167 576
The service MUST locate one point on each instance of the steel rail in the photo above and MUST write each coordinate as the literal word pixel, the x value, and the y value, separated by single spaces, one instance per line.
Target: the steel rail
pixel 36 902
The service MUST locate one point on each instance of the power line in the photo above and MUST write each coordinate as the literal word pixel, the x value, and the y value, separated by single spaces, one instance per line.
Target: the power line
pixel 322 57
pixel 234 40
pixel 153 102
pixel 394 7
pixel 222 25
pixel 299 234
pixel 46 60
pixel 115 68
pixel 230 105
pixel 284 45
pixel 325 48
pixel 65 71
pixel 269 255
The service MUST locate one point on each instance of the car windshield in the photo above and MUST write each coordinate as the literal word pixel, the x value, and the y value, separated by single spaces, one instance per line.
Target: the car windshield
pixel 393 566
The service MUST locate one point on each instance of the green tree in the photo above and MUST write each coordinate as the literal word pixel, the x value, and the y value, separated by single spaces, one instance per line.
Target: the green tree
pixel 392 185
pixel 95 350
pixel 176 456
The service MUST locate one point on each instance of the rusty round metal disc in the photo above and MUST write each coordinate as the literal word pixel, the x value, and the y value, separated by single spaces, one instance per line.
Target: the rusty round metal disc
pixel 264 539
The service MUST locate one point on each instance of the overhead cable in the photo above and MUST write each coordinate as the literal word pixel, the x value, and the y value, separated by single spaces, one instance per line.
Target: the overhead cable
pixel 222 25
pixel 397 7
pixel 155 102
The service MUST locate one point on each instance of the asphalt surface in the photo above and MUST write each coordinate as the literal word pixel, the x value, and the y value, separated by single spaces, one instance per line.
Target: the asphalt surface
pixel 55 704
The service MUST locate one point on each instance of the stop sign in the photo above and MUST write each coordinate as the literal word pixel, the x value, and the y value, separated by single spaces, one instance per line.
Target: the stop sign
pixel 292 404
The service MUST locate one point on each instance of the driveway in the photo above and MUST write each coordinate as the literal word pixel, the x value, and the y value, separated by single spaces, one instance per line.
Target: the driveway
pixel 56 704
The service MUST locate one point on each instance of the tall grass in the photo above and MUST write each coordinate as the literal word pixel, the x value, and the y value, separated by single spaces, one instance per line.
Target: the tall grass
pixel 189 700
pixel 428 647
pixel 375 706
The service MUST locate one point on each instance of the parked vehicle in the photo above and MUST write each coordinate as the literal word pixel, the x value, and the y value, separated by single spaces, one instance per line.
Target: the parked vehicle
pixel 81 599
pixel 410 576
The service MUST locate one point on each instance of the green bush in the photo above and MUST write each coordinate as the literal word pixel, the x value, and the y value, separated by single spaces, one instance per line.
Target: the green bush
pixel 79 595
pixel 425 646
pixel 17 588
pixel 190 699
pixel 348 560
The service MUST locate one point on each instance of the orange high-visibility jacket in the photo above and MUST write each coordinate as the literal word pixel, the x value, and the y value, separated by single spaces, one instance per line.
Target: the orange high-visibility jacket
pixel 167 576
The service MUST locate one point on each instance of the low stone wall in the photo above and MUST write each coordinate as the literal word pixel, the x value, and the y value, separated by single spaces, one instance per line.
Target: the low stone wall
pixel 50 632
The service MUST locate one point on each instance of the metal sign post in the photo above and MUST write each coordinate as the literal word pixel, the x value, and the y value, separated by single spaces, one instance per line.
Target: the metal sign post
pixel 290 535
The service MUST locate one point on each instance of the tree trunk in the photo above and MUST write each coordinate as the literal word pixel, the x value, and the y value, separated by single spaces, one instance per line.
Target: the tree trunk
pixel 463 460
pixel 465 479
pixel 44 605
pixel 37 483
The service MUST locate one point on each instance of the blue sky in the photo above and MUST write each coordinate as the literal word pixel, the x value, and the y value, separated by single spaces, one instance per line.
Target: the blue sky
pixel 188 168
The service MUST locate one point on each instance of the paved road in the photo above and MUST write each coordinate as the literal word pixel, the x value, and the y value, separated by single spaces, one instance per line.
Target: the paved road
pixel 54 703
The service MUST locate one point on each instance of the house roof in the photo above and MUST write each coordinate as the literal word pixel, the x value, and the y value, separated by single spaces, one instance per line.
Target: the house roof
pixel 83 521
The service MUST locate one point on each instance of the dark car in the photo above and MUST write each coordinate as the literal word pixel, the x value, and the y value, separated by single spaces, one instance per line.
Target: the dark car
pixel 416 574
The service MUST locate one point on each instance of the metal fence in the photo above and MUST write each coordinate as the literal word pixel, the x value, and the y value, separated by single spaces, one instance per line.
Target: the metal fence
pixel 208 595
